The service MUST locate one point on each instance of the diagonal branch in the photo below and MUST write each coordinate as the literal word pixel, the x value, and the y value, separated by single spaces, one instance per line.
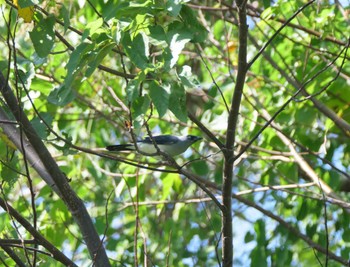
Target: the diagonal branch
pixel 298 158
pixel 73 202
pixel 291 229
pixel 278 31
pixel 56 254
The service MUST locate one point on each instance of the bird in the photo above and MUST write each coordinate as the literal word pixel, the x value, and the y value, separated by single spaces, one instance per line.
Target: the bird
pixel 170 144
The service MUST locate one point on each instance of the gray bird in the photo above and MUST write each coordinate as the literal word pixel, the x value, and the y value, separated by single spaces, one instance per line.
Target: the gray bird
pixel 170 144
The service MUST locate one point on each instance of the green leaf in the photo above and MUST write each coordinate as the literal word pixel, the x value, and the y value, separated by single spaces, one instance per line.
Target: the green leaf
pixel 66 148
pixel 249 237
pixel 43 36
pixel 174 7
pixel 25 3
pixel 192 25
pixel 267 3
pixel 61 96
pixel 40 126
pixel 8 172
pixel 304 115
pixel 26 72
pixel 267 13
pixel 132 90
pixel 98 57
pixel 177 102
pixel 178 37
pixel 140 106
pixel 92 27
pixel 137 49
pixel 258 255
pixel 187 78
pixel 76 62
pixel 303 210
pixel 200 167
pixel 64 14
pixel 160 97
pixel 157 36
pixel 168 182
pixel 128 9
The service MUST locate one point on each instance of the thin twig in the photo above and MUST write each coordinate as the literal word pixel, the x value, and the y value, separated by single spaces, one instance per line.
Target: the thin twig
pixel 277 32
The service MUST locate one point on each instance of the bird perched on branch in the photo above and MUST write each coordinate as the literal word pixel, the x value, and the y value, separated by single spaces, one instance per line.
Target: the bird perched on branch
pixel 170 144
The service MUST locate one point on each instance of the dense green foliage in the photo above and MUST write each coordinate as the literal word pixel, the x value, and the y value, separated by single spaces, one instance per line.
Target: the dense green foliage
pixel 91 74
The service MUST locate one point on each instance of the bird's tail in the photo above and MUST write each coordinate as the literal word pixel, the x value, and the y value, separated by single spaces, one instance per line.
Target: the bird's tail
pixel 125 147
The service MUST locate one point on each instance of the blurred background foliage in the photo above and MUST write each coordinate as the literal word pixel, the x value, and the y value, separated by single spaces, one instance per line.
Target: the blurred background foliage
pixel 93 70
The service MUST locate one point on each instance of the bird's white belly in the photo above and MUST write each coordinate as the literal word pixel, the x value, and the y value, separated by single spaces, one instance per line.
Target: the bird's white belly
pixel 172 151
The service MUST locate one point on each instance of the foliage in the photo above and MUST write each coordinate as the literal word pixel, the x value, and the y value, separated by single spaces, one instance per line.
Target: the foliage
pixel 90 74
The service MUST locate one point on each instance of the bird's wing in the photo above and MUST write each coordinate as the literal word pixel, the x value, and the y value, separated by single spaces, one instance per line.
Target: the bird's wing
pixel 161 139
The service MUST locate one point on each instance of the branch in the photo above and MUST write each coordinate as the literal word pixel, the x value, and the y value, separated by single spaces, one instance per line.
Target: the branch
pixel 298 158
pixel 227 238
pixel 278 31
pixel 56 254
pixel 73 202
pixel 13 134
pixel 291 229
pixel 256 12
pixel 281 221
pixel 13 256
pixel 208 132
pixel 341 123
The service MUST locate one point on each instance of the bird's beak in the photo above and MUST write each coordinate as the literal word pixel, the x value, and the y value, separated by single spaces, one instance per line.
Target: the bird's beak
pixel 198 138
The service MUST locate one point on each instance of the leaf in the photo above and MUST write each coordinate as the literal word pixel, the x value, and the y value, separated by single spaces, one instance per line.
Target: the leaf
pixel 303 211
pixel 200 167
pixel 98 57
pixel 157 36
pixel 266 3
pixel 64 15
pixel 178 37
pixel 8 173
pixel 192 25
pixel 92 28
pixel 160 97
pixel 187 78
pixel 77 61
pixel 23 3
pixel 132 90
pixel 140 106
pixel 174 7
pixel 267 13
pixel 7 141
pixel 128 9
pixel 40 126
pixel 258 255
pixel 66 147
pixel 25 9
pixel 177 102
pixel 26 72
pixel 27 14
pixel 137 49
pixel 43 36
pixel 61 96
pixel 167 185
pixel 249 237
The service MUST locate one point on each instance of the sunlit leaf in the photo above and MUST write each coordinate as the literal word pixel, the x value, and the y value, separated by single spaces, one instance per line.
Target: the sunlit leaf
pixel 25 9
